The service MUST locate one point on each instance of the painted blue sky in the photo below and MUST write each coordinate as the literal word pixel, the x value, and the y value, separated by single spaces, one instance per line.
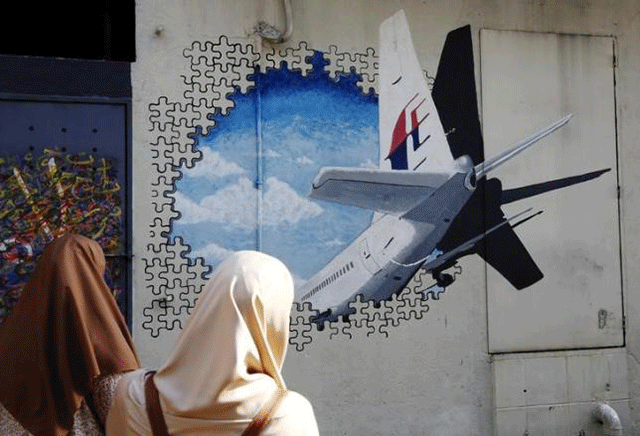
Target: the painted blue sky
pixel 307 123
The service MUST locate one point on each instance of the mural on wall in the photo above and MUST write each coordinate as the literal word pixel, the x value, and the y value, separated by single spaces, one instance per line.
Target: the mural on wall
pixel 254 190
pixel 431 190
pixel 316 108
pixel 43 196
pixel 256 132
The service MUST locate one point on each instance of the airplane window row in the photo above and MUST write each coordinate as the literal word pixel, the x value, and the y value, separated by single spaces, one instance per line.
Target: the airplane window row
pixel 347 267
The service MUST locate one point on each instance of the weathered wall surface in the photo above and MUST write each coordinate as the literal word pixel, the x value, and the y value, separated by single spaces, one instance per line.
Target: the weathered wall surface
pixel 428 370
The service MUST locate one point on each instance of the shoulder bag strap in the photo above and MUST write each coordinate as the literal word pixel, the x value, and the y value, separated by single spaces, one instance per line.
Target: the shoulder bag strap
pixel 154 411
pixel 264 415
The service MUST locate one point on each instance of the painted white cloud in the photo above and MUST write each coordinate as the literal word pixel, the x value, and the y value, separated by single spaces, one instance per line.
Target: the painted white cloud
pixel 283 204
pixel 236 205
pixel 272 154
pixel 334 243
pixel 291 141
pixel 304 160
pixel 213 165
pixel 369 164
pixel 191 212
pixel 297 282
pixel 213 252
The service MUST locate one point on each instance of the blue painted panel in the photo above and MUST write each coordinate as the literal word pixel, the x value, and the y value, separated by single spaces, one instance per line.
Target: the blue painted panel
pixel 277 137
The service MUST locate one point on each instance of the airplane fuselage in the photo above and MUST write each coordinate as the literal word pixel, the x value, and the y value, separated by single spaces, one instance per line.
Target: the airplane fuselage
pixel 383 258
pixel 428 211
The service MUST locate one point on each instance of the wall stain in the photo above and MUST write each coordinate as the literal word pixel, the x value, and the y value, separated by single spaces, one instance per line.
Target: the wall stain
pixel 602 319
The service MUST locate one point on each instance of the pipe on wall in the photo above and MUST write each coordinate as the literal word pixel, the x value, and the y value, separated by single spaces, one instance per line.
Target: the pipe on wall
pixel 272 34
pixel 608 417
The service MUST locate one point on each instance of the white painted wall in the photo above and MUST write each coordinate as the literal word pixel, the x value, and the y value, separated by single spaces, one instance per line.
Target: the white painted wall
pixel 433 375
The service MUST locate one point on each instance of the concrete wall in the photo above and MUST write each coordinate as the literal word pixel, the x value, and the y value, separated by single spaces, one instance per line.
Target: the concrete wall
pixel 432 372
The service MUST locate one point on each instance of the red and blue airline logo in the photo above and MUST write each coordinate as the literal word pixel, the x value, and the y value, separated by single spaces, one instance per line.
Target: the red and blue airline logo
pixel 398 151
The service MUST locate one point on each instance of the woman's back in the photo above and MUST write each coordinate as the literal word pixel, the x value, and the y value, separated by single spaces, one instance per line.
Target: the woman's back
pixel 226 365
pixel 89 419
pixel 64 336
pixel 293 417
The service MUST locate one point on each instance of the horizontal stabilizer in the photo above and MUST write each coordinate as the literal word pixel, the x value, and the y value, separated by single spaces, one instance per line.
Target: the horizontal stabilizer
pixel 387 191
pixel 491 164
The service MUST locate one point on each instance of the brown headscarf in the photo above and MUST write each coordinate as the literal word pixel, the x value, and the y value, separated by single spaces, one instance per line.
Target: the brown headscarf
pixel 65 332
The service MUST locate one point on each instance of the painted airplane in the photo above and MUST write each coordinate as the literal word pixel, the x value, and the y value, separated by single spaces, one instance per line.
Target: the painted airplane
pixel 432 201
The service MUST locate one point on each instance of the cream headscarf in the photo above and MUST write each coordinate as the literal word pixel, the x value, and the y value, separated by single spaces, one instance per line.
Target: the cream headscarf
pixel 233 346
pixel 227 361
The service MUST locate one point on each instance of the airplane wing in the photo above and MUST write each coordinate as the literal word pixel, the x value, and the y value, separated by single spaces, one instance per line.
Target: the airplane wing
pixel 441 259
pixel 504 251
pixel 499 245
pixel 387 191
pixel 501 248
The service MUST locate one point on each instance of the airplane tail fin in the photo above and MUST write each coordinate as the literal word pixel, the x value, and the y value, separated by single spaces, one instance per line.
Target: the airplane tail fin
pixel 411 135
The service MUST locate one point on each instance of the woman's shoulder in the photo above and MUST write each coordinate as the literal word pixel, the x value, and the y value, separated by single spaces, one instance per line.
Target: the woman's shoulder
pixel 294 400
pixel 294 416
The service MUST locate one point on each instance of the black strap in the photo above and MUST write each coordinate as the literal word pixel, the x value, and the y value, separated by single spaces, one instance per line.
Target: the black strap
pixel 154 411
pixel 264 415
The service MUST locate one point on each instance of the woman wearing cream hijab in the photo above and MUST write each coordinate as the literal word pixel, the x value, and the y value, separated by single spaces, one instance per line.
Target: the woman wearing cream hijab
pixel 226 365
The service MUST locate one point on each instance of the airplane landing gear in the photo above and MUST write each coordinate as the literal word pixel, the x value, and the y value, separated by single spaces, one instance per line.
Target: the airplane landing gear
pixel 443 279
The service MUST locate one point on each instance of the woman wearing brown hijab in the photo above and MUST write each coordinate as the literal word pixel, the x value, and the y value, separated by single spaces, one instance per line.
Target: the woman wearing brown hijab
pixel 62 348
